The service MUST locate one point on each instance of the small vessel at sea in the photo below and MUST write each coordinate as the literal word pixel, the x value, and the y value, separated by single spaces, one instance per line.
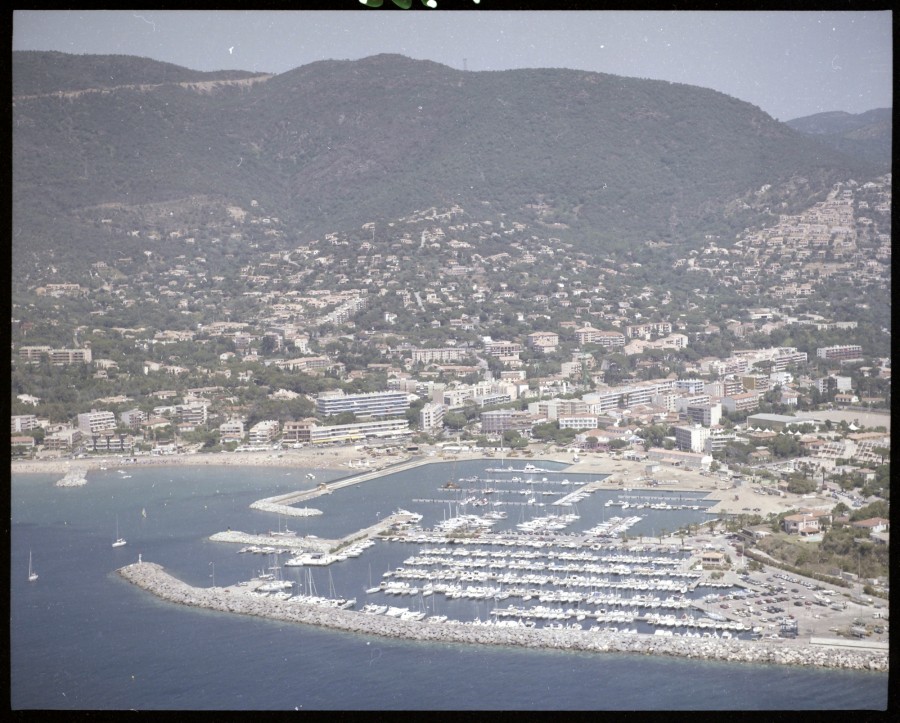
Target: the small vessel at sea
pixel 32 575
pixel 120 541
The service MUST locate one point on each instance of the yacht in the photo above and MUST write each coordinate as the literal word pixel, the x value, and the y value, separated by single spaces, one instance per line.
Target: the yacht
pixel 120 541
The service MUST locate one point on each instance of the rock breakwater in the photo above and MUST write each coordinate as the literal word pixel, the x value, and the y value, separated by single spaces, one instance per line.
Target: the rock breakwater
pixel 155 579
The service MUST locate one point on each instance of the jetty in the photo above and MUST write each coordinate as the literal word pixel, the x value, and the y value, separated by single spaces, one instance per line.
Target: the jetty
pixel 154 579
pixel 308 543
pixel 74 478
pixel 326 488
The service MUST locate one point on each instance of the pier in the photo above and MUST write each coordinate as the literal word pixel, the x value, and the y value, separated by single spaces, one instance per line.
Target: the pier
pixel 293 498
pixel 298 544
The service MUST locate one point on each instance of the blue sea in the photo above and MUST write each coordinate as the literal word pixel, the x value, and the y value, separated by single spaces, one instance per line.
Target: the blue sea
pixel 83 639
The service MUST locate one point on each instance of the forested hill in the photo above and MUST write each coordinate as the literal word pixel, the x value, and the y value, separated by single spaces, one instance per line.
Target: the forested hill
pixel 40 72
pixel 866 135
pixel 609 160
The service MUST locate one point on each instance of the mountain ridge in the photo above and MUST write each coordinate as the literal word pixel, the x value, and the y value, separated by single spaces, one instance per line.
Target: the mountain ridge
pixel 614 160
pixel 867 135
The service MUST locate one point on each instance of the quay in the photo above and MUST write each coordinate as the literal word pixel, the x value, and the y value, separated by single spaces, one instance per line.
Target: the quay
pixel 327 488
pixel 315 544
pixel 154 579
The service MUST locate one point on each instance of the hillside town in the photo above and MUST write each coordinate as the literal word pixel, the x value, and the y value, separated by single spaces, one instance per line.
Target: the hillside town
pixel 441 332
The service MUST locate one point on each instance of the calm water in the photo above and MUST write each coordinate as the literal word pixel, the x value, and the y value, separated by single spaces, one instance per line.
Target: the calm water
pixel 83 639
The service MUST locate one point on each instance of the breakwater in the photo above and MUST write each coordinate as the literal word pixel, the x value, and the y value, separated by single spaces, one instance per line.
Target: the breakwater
pixel 154 579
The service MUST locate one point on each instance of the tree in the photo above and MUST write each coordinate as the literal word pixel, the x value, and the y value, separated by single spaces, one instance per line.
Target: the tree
pixel 455 420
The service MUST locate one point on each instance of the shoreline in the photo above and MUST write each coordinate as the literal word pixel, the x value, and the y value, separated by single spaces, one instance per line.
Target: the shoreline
pixel 621 475
pixel 153 578
pixel 333 459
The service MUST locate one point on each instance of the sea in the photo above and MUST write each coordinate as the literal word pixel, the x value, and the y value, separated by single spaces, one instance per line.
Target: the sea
pixel 82 639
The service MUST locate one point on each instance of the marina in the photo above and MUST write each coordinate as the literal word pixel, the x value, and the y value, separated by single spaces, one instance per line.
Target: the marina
pixel 550 575
pixel 187 507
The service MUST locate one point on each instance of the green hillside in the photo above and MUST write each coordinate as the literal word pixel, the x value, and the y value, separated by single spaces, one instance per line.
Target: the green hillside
pixel 606 159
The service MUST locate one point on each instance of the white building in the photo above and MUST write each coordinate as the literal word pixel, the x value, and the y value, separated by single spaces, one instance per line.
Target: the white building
pixel 263 433
pixel 231 431
pixel 22 423
pixel 691 439
pixel 431 416
pixel 94 422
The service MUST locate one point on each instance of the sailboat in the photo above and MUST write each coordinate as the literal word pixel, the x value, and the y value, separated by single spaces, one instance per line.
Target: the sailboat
pixel 32 575
pixel 120 541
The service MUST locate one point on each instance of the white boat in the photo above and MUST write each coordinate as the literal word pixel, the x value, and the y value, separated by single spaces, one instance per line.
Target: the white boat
pixel 32 575
pixel 120 541
pixel 282 533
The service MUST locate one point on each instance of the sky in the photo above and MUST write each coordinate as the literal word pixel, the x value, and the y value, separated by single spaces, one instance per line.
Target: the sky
pixel 790 64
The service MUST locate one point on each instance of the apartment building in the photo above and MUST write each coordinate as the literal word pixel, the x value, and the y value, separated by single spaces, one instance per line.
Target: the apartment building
pixel 95 422
pixel 648 330
pixel 626 396
pixel 607 339
pixel 310 431
pixel 108 442
pixel 740 403
pixel 70 356
pixel 63 439
pixel 233 430
pixel 374 404
pixel 682 403
pixel 431 416
pixel 501 420
pixel 33 353
pixel 133 418
pixel 195 414
pixel 578 421
pixel 724 388
pixel 502 348
pixel 689 386
pixel 543 341
pixel 440 355
pixel 691 439
pixel 841 352
pixel 22 423
pixel 706 415
pixel 263 433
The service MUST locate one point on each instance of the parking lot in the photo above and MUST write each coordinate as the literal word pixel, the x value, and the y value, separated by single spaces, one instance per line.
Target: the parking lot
pixel 773 596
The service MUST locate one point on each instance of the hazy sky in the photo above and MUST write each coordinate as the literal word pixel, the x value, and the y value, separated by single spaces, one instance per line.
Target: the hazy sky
pixel 790 64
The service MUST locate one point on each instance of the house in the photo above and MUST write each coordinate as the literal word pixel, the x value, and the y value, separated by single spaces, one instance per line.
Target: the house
pixel 873 524
pixel 801 523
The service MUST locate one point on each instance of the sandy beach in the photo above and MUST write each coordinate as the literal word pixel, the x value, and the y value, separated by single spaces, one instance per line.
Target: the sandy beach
pixel 331 458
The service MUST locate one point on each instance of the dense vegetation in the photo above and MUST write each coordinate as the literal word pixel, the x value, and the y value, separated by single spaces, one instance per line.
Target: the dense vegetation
pixel 867 135
pixel 605 161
